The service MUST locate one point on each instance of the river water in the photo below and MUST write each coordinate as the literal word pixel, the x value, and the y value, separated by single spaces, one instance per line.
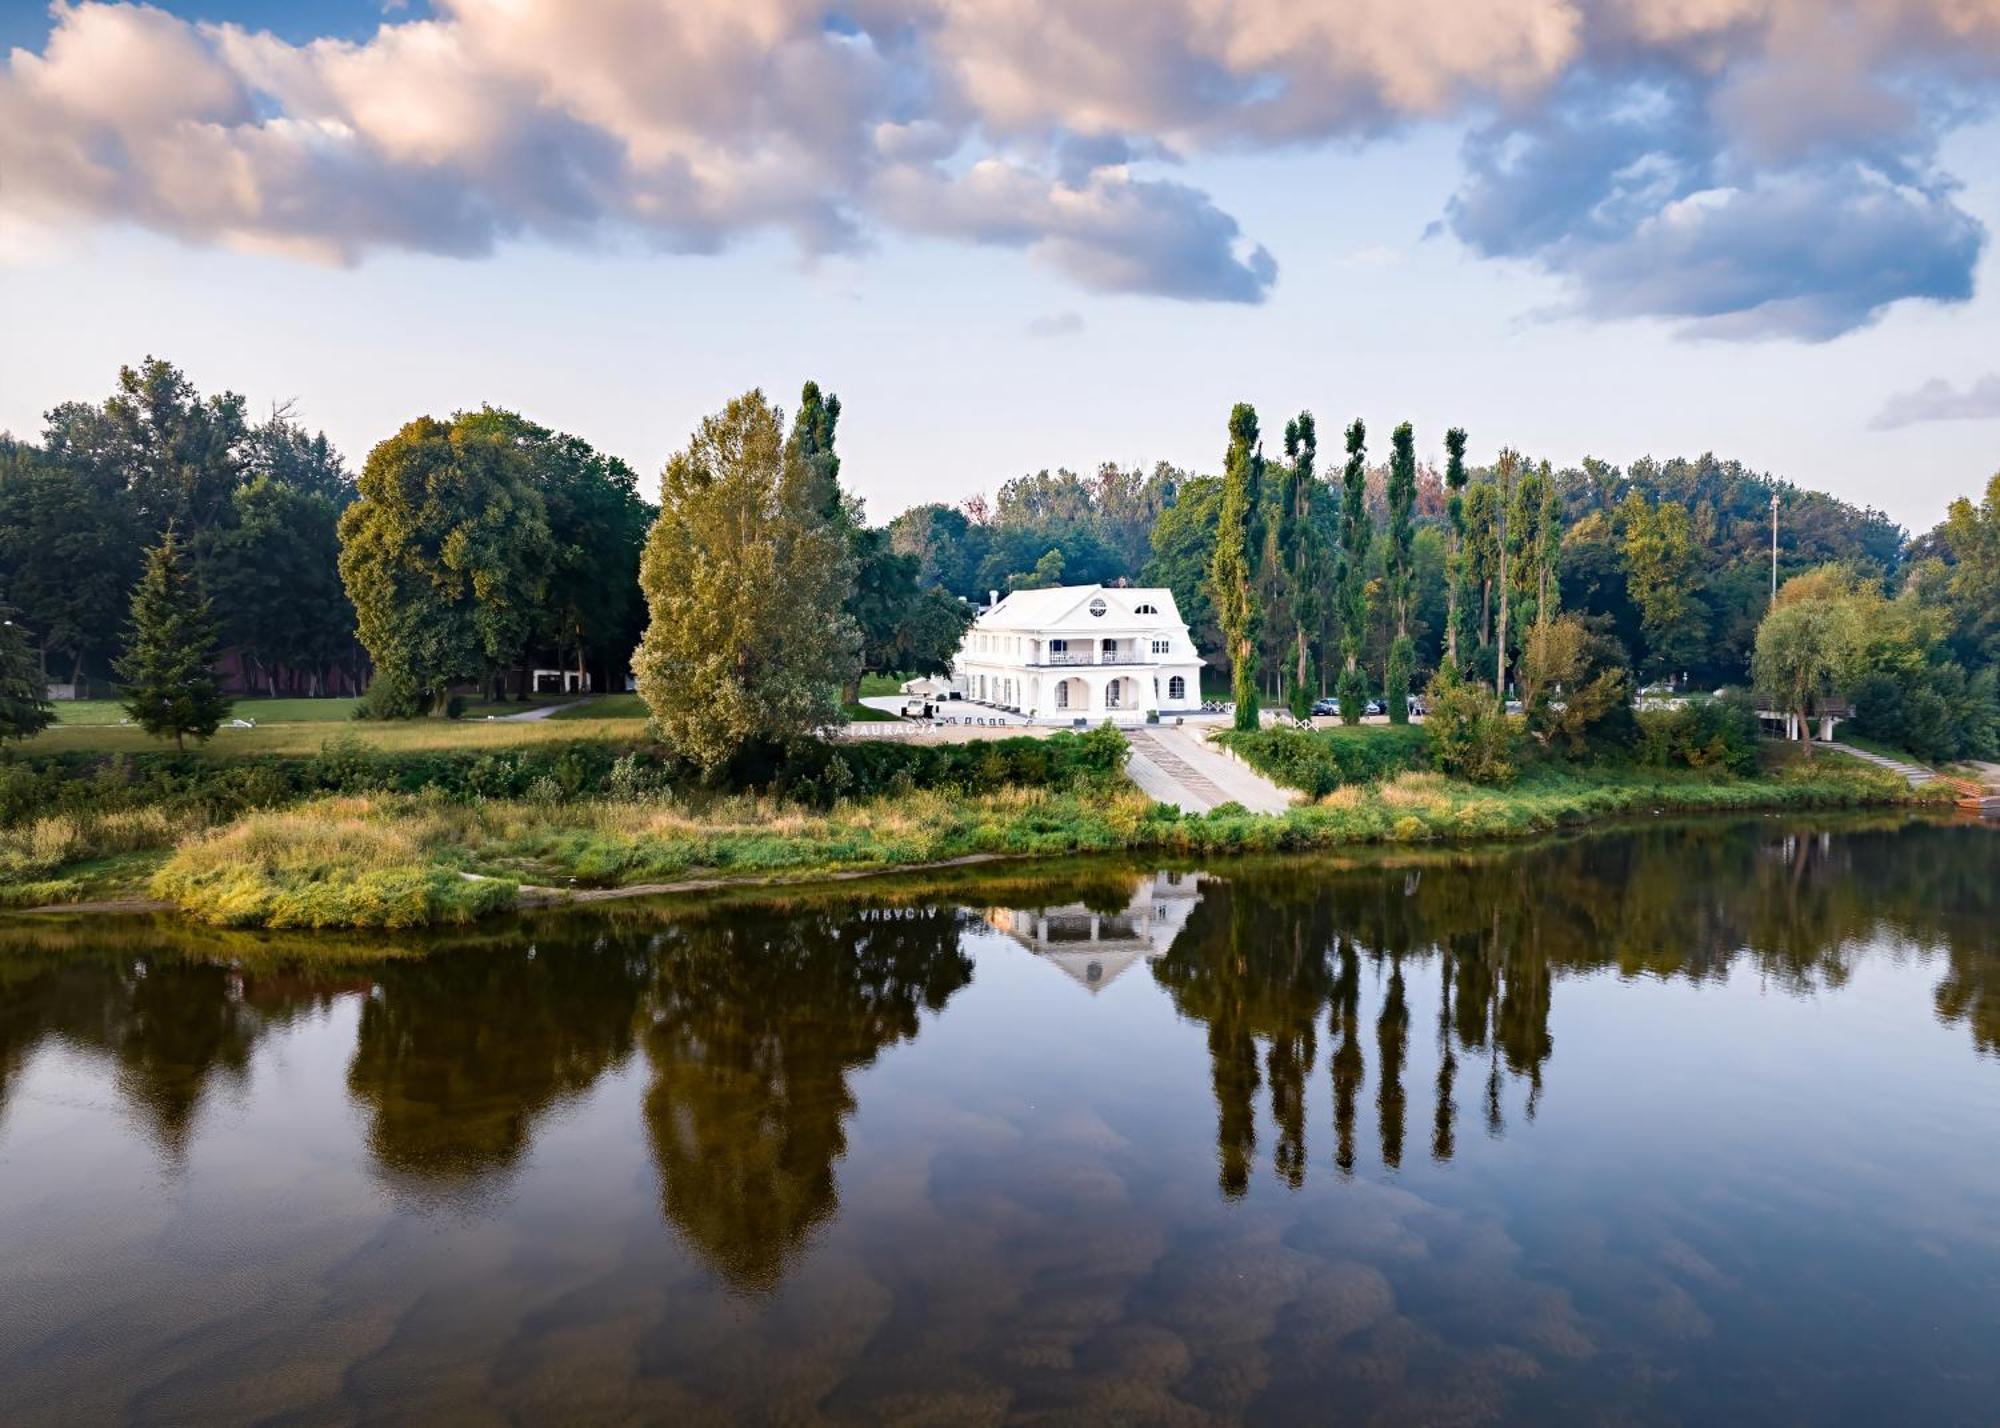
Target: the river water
pixel 1688 1124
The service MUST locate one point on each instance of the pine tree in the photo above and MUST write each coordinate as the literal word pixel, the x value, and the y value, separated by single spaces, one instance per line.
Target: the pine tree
pixel 1357 532
pixel 169 685
pixel 1229 570
pixel 24 684
pixel 1454 484
pixel 1402 573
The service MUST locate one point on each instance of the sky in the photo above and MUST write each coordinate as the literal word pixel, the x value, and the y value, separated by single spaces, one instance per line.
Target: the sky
pixel 1040 233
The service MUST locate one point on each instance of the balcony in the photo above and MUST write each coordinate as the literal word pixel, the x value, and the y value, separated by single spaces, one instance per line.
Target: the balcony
pixel 1114 657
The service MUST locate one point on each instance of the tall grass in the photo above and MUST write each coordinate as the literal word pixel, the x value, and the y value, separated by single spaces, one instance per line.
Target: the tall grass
pixel 342 862
pixel 390 860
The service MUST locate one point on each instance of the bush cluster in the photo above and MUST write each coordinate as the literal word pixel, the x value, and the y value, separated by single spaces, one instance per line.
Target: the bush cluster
pixel 1317 761
pixel 812 771
pixel 1701 734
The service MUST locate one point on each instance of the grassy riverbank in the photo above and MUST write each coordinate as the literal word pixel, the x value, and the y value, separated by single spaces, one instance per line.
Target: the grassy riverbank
pixel 386 859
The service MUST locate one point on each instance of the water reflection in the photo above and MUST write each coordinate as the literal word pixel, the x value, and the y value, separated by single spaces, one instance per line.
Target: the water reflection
pixel 756 1021
pixel 750 1019
pixel 1101 932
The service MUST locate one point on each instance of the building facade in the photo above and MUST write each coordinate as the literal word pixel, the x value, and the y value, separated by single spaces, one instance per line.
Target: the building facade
pixel 1081 654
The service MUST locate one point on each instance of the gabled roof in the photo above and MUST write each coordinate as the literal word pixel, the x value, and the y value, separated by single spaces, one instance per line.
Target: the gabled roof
pixel 1047 609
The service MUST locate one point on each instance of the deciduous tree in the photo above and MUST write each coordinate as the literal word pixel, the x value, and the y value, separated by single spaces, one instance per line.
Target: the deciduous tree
pixel 1229 576
pixel 1357 530
pixel 1401 570
pixel 445 556
pixel 746 577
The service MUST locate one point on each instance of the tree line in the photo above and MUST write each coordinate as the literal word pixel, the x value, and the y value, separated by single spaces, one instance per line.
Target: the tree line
pixel 752 600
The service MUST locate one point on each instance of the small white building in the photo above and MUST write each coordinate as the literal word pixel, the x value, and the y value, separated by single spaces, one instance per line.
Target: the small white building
pixel 1093 947
pixel 1081 654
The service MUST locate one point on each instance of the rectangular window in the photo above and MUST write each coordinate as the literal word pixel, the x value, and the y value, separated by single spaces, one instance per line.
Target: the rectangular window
pixel 1058 646
pixel 1161 646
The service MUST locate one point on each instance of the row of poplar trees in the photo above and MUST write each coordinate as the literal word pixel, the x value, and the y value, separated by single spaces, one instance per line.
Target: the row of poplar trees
pixel 1281 558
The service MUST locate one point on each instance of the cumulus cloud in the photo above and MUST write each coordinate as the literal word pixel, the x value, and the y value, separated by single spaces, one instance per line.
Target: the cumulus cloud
pixel 1749 167
pixel 1939 400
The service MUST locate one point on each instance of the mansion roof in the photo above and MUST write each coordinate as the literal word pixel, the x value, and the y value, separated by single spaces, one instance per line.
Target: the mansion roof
pixel 1084 609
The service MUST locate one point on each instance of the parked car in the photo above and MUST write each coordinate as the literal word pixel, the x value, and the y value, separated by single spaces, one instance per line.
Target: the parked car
pixel 1375 706
pixel 1324 707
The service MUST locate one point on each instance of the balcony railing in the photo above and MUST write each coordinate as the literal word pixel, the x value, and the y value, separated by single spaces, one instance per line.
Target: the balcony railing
pixel 1064 661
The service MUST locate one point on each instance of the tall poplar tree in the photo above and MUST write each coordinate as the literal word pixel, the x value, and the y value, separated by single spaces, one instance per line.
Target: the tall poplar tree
pixel 1454 485
pixel 1229 571
pixel 1357 532
pixel 168 669
pixel 1402 545
pixel 1504 473
pixel 1303 554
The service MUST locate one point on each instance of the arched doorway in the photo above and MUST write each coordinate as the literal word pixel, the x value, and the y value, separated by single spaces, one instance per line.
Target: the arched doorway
pixel 1070 694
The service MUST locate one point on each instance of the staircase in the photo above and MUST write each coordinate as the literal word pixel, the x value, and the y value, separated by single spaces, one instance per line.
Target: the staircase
pixel 1917 774
pixel 1176 766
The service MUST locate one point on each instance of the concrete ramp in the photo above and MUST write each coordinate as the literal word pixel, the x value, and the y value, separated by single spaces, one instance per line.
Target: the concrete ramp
pixel 1177 766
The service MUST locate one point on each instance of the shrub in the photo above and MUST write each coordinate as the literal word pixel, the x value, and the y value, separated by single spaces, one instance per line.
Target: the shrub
pixel 1701 734
pixel 1471 737
pixel 1318 761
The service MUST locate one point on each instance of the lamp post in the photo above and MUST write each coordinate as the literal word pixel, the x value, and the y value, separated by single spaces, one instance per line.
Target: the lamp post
pixel 1774 545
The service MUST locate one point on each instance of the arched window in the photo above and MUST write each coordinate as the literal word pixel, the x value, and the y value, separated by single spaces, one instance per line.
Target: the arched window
pixel 1098 607
pixel 1062 694
pixel 1147 610
pixel 1177 688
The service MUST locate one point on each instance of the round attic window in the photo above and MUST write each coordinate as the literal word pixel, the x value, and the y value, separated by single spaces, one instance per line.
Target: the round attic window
pixel 1098 607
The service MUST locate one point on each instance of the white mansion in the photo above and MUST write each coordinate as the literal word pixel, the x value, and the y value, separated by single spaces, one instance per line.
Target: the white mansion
pixel 1081 654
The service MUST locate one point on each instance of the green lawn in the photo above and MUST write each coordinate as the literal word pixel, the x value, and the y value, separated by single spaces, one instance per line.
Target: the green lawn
pixel 607 706
pixel 299 738
pixel 865 714
pixel 264 711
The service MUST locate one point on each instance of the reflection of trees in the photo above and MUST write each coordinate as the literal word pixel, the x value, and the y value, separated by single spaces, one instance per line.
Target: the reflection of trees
pixel 757 1020
pixel 1267 951
pixel 1253 969
pixel 459 1053
pixel 168 1027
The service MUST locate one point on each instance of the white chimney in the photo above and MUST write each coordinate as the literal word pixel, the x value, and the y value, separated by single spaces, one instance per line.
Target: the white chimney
pixel 992 598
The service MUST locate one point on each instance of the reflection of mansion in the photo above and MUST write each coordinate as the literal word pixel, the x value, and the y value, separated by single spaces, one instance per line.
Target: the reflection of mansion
pixel 1081 654
pixel 1094 947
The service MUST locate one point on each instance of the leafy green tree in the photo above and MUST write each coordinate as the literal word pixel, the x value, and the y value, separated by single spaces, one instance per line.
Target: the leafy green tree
pixel 1574 686
pixel 24 685
pixel 1469 735
pixel 1455 479
pixel 1971 534
pixel 1183 550
pixel 68 554
pixel 592 610
pixel 168 669
pixel 1806 649
pixel 1229 575
pixel 813 431
pixel 905 627
pixel 1660 574
pixel 1357 531
pixel 1401 561
pixel 177 455
pixel 1505 472
pixel 1047 574
pixel 948 546
pixel 746 577
pixel 445 557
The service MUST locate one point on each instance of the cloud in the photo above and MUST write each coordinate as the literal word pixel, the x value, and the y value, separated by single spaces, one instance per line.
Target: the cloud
pixel 1644 195
pixel 1056 324
pixel 1750 168
pixel 1938 400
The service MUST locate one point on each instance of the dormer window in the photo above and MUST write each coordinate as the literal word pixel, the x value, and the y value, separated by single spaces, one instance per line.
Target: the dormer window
pixel 1147 610
pixel 1098 607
